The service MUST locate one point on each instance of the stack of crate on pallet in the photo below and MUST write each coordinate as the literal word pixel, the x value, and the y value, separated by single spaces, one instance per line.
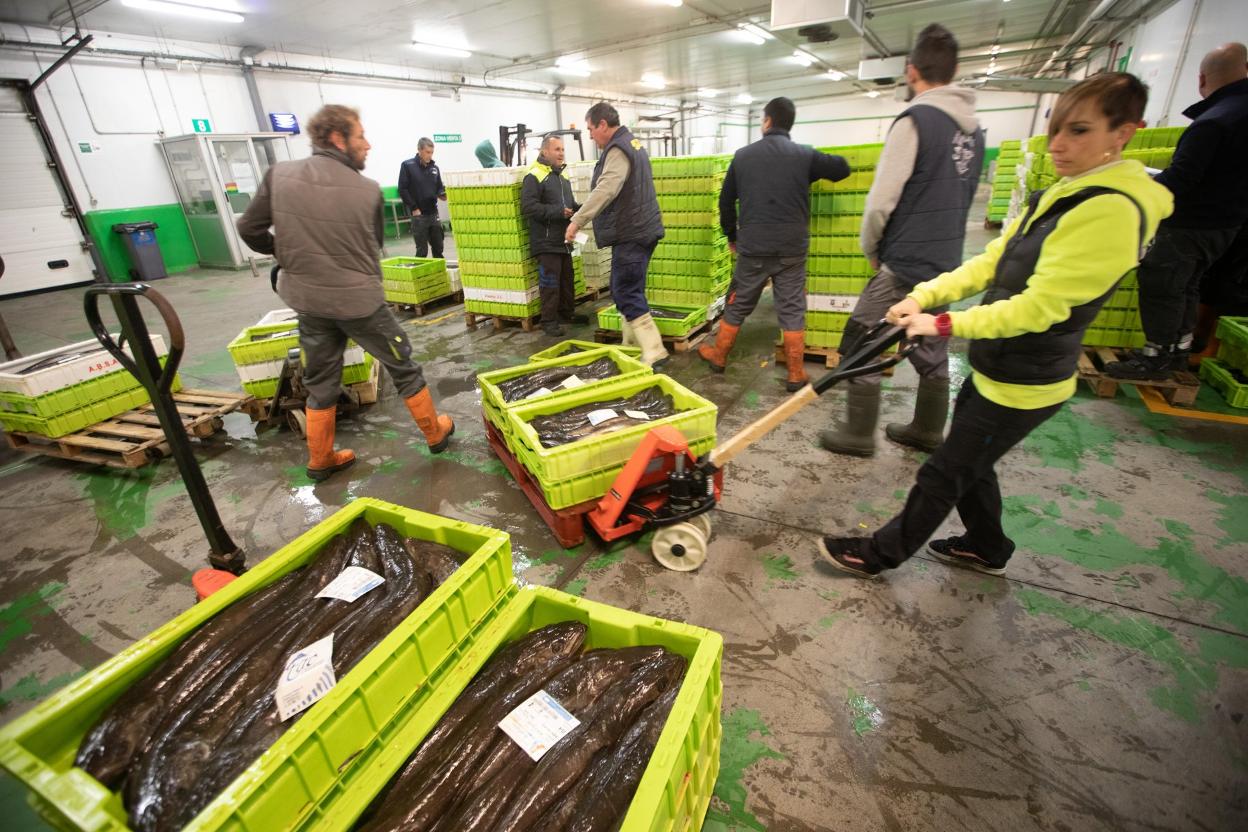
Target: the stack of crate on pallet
pixel 1228 373
pixel 415 280
pixel 836 270
pixel 496 268
pixel 574 473
pixel 1003 179
pixel 260 350
pixel 595 261
pixel 688 277
pixel 1118 323
pixel 64 390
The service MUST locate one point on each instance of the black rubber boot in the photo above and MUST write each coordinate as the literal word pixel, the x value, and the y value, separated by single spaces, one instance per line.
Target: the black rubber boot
pixel 856 434
pixel 931 407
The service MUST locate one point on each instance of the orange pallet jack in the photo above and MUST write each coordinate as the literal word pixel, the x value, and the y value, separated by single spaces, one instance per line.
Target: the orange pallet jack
pixel 663 485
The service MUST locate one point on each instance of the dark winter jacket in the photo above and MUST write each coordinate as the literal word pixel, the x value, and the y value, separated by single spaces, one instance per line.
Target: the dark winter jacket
pixel 1209 172
pixel 543 196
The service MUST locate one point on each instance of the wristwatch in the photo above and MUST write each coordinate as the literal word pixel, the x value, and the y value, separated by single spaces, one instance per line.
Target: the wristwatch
pixel 944 325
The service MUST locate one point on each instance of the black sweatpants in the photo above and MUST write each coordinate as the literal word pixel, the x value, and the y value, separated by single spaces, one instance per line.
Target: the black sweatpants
pixel 959 474
pixel 1170 276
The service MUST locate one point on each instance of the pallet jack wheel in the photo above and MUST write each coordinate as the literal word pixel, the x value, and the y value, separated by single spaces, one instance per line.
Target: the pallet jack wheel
pixel 703 522
pixel 298 422
pixel 680 547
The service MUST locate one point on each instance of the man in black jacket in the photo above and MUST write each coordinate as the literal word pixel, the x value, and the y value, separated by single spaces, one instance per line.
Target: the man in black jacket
pixel 1209 179
pixel 420 188
pixel 771 178
pixel 546 202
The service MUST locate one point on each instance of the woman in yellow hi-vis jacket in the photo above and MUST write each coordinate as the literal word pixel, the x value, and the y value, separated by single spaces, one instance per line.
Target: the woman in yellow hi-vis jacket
pixel 1046 277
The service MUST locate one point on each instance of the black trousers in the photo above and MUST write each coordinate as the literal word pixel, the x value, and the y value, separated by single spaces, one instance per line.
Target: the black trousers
pixel 428 233
pixel 959 474
pixel 556 282
pixel 1170 276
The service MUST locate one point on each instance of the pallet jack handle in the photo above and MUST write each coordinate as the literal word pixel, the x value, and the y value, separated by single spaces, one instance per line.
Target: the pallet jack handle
pixel 143 363
pixel 859 362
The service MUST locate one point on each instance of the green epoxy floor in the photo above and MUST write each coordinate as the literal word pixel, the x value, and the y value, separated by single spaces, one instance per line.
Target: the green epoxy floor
pixel 1101 684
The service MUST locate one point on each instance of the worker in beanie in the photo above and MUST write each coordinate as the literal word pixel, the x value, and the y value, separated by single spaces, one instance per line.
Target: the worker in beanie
pixel 546 201
pixel 486 156
pixel 326 232
pixel 625 213
pixel 1209 179
pixel 913 229
pixel 771 179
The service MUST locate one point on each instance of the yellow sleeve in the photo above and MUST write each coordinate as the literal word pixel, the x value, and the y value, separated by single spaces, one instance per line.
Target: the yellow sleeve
pixel 971 277
pixel 1093 245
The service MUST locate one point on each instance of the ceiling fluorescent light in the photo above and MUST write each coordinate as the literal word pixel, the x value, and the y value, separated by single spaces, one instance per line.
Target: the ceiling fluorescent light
pixel 872 94
pixel 756 30
pixel 802 58
pixel 675 4
pixel 750 37
pixel 185 10
pixel 837 75
pixel 654 80
pixel 439 49
pixel 707 92
pixel 573 70
pixel 744 98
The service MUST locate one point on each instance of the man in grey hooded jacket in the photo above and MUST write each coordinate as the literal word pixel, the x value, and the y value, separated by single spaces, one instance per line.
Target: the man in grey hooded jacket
pixel 913 229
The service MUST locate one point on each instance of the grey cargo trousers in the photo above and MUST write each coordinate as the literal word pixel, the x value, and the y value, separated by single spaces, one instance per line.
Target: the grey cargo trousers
pixel 324 340
pixel 788 288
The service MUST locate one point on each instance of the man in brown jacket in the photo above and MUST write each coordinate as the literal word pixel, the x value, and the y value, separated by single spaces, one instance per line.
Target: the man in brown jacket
pixel 327 231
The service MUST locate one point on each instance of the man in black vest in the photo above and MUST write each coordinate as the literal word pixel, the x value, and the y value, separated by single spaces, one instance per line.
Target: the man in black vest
pixel 625 213
pixel 1209 179
pixel 913 229
pixel 547 203
pixel 771 178
pixel 420 188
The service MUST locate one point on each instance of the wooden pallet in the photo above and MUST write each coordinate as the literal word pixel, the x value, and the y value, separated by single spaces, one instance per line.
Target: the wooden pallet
pixel 527 323
pixel 418 310
pixel 993 225
pixel 830 357
pixel 566 524
pixel 134 438
pixel 678 344
pixel 1179 390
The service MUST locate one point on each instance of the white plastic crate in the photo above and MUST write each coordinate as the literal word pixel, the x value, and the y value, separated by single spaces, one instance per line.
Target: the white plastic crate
pixel 268 370
pixel 831 303
pixel 500 295
pixel 278 316
pixel 94 362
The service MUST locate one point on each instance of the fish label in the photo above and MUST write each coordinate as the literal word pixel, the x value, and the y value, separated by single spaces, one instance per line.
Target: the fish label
pixel 637 414
pixel 351 583
pixel 306 678
pixel 538 723
pixel 597 417
pixel 571 382
pixel 541 391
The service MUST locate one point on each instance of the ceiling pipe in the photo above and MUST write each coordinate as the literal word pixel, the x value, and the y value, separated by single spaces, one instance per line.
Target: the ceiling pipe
pixel 1103 8
pixel 246 57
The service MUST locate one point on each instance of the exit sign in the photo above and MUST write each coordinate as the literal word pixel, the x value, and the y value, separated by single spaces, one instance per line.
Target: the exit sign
pixel 447 138
pixel 201 125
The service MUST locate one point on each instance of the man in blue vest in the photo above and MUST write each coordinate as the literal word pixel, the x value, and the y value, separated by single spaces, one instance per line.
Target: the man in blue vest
pixel 772 179
pixel 546 201
pixel 625 213
pixel 913 229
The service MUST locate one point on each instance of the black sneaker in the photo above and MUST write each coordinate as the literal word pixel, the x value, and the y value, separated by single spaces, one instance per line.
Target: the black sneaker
pixel 1139 366
pixel 951 550
pixel 838 551
pixel 577 319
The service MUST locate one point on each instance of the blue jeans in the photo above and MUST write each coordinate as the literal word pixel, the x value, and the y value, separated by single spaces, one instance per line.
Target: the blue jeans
pixel 629 262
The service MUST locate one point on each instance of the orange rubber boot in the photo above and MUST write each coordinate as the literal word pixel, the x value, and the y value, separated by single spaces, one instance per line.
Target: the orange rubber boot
pixel 795 358
pixel 323 460
pixel 717 355
pixel 437 429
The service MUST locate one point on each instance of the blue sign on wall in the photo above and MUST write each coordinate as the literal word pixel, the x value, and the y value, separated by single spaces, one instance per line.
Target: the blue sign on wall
pixel 284 123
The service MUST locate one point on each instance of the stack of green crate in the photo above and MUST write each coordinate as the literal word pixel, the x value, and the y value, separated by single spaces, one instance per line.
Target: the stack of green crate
pixel 836 270
pixel 260 351
pixel 75 386
pixel 414 279
pixel 1003 179
pixel 1228 373
pixel 581 471
pixel 496 267
pixel 1118 323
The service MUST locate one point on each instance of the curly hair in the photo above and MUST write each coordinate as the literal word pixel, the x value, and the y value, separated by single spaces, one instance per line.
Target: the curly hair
pixel 330 119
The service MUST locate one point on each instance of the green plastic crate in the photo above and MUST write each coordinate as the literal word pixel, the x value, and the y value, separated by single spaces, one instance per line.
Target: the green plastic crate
pixel 1233 337
pixel 245 351
pixel 838 265
pixel 835 245
pixel 849 224
pixel 681 297
pixel 423 296
pixel 470 270
pixel 394 693
pixel 506 310
pixel 694 417
pixel 690 219
pixel 351 374
pixel 828 340
pixel 72 398
pixel 1222 379
pixel 697 234
pixel 75 420
pixel 836 285
pixel 564 347
pixel 494 407
pixel 687 283
pixel 494 254
pixel 506 283
pixel 411 268
pixel 826 321
pixel 609 318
